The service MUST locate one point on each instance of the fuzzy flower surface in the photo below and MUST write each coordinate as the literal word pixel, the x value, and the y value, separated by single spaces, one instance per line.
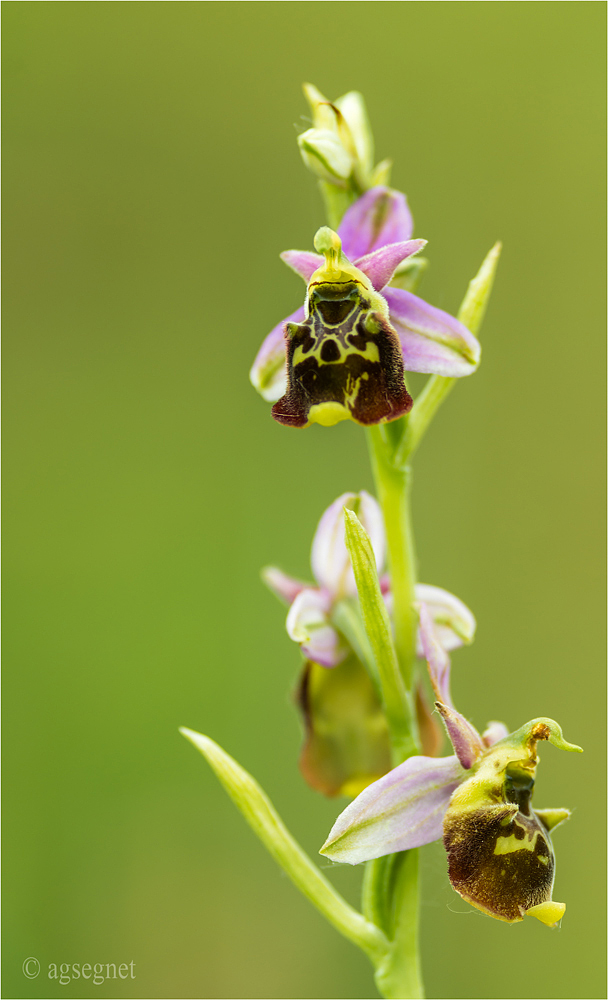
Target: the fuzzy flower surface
pixel 343 354
pixel 500 853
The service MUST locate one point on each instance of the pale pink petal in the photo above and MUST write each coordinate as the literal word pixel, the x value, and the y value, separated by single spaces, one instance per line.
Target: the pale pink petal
pixel 437 658
pixel 380 265
pixel 308 624
pixel 453 623
pixel 285 587
pixel 379 217
pixel 468 744
pixel 303 262
pixel 494 732
pixel 401 810
pixel 329 559
pixel 268 374
pixel 325 647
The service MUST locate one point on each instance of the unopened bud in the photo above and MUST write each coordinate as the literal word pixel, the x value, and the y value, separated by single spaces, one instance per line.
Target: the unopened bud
pixel 324 154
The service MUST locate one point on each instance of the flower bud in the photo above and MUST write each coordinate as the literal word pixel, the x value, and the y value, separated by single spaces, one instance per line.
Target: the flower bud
pixel 324 154
pixel 340 144
pixel 354 112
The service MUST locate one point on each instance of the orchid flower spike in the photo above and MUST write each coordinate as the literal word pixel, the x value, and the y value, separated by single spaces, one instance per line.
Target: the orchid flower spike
pixel 500 854
pixel 343 354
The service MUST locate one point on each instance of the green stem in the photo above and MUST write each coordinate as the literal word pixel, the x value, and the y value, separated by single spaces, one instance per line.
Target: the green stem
pixel 399 976
pixel 390 891
pixel 393 488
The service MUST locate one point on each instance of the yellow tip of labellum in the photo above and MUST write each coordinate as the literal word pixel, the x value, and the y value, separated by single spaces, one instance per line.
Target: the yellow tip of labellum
pixel 327 414
pixel 549 913
pixel 354 786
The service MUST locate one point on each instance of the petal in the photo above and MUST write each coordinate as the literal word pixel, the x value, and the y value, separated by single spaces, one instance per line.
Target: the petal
pixel 285 587
pixel 403 809
pixel 436 656
pixel 268 374
pixel 380 217
pixel 308 624
pixel 453 623
pixel 466 741
pixel 329 558
pixel 346 743
pixel 325 647
pixel 431 736
pixel 468 744
pixel 303 262
pixel 494 732
pixel 432 341
pixel 380 265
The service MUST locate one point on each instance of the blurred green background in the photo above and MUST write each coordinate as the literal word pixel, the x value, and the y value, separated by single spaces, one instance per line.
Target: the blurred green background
pixel 151 179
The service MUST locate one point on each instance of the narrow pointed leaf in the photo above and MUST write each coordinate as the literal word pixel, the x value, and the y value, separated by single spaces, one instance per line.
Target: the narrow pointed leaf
pixel 378 628
pixel 268 826
pixel 470 314
pixel 475 302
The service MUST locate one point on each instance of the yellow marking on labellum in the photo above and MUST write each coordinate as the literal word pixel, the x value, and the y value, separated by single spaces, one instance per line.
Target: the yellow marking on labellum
pixel 371 353
pixel 508 845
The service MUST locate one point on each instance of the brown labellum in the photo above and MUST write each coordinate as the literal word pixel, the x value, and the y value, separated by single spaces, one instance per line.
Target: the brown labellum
pixel 344 361
pixel 500 855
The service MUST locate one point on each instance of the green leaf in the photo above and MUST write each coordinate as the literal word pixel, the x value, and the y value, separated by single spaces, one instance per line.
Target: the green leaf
pixel 268 826
pixel 378 627
pixel 471 313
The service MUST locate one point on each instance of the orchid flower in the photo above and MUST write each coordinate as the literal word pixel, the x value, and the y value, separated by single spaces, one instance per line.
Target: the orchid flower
pixel 347 742
pixel 500 855
pixel 312 608
pixel 344 352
